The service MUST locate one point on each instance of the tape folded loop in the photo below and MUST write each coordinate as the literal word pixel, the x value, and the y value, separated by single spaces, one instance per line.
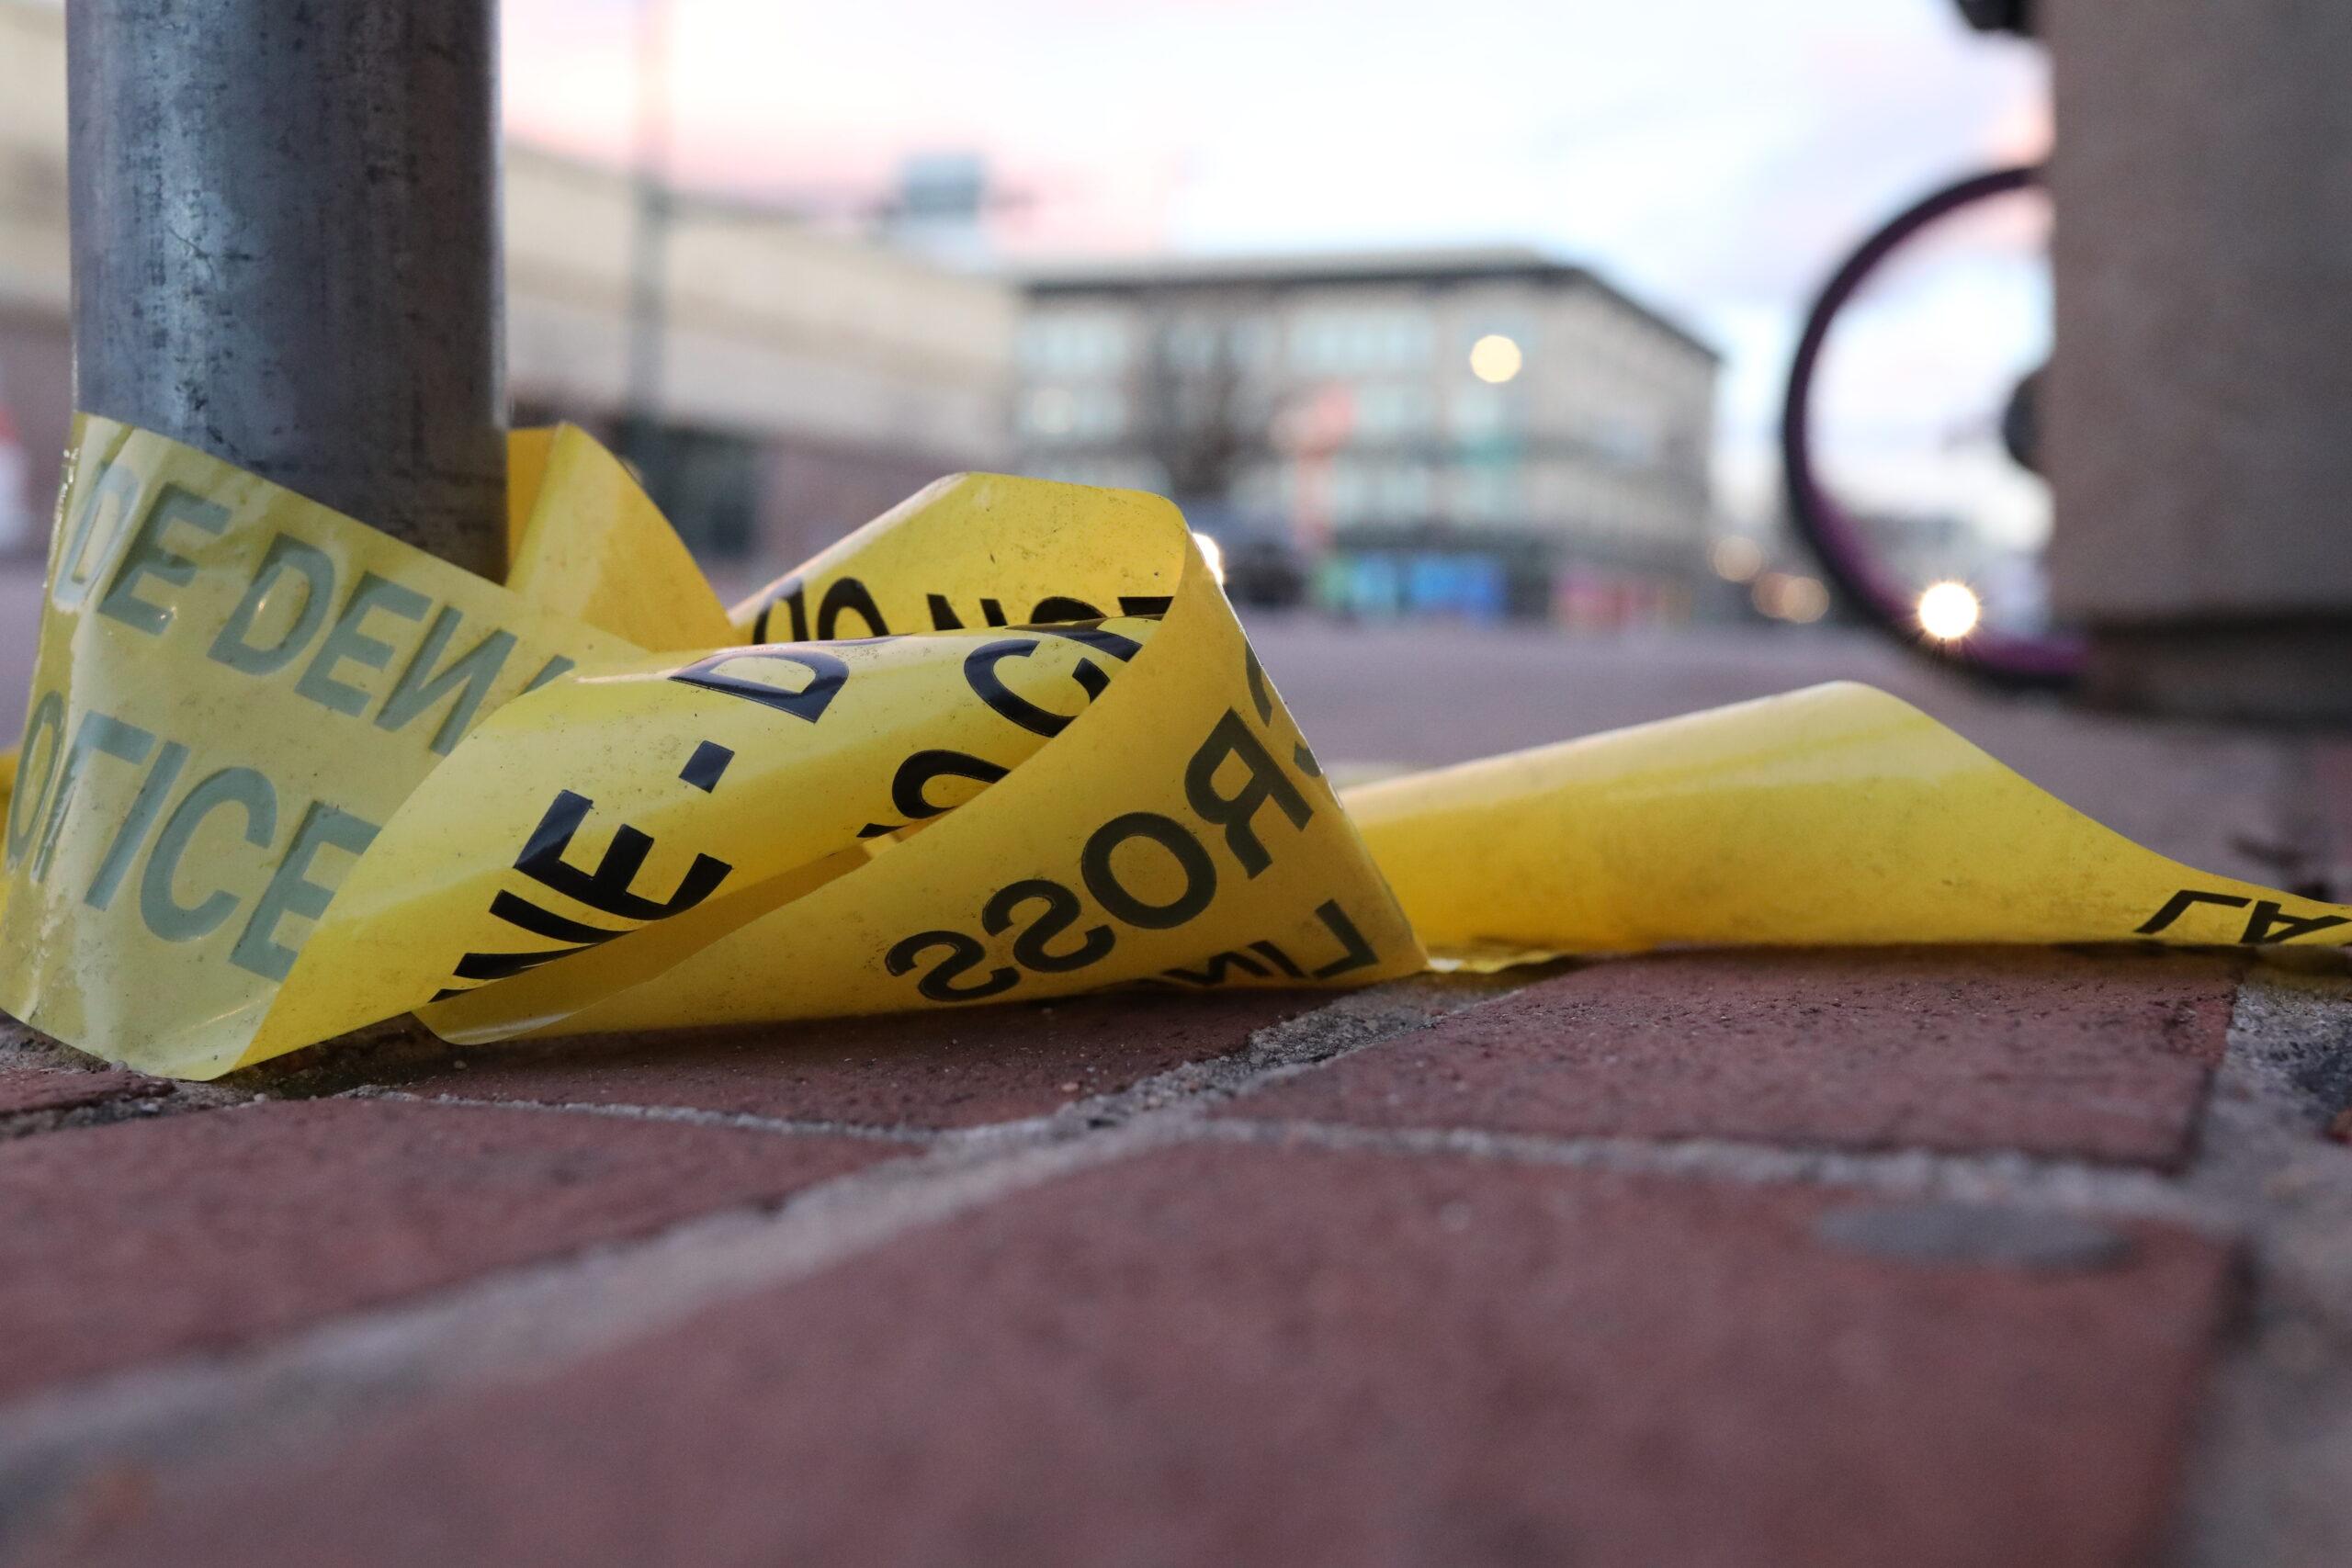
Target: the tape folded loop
pixel 283 776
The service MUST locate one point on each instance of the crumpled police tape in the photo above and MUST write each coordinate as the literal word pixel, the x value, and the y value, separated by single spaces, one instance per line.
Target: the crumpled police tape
pixel 284 776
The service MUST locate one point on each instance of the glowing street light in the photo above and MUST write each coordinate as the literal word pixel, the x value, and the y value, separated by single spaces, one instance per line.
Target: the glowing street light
pixel 1949 611
pixel 1495 358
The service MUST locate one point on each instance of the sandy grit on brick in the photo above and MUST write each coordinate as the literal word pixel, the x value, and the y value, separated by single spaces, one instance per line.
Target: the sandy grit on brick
pixel 953 1068
pixel 26 1090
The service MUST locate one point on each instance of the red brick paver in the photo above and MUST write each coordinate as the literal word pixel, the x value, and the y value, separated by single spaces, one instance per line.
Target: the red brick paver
pixel 1226 1354
pixel 2101 1057
pixel 24 1089
pixel 144 1239
pixel 958 1068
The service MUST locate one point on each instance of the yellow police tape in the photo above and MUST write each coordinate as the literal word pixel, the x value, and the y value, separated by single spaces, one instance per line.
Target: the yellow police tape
pixel 284 776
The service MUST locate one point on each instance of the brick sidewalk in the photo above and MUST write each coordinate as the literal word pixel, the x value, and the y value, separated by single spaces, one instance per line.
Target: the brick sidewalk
pixel 1909 1256
pixel 1914 1256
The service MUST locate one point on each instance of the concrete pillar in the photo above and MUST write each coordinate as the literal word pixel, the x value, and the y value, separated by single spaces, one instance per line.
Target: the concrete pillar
pixel 2200 395
pixel 286 247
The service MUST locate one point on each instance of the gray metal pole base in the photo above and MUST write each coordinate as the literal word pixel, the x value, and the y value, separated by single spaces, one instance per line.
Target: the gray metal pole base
pixel 2201 409
pixel 2288 671
pixel 286 248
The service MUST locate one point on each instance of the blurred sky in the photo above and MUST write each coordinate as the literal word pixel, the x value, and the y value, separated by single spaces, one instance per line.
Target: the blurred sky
pixel 1717 156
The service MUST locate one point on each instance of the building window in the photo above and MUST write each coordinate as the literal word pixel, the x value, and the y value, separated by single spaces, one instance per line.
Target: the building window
pixel 1354 340
pixel 1191 344
pixel 1073 344
pixel 1252 342
pixel 1049 412
pixel 1488 492
pixel 1100 415
pixel 707 485
pixel 1625 440
pixel 1477 411
pixel 1407 491
pixel 1351 491
pixel 1388 411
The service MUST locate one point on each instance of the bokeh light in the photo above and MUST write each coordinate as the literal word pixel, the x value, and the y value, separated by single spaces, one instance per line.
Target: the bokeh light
pixel 1949 611
pixel 1495 358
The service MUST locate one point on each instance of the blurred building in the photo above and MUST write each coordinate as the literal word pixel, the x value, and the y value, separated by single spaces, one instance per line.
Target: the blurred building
pixel 1483 432
pixel 807 381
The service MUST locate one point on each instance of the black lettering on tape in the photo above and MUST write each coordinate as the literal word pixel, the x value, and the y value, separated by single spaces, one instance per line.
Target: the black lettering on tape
pixel 1214 972
pixel 943 617
pixel 1101 875
pixel 611 886
pixel 1354 952
pixel 964 954
pixel 979 673
pixel 1263 780
pixel 848 596
pixel 2181 903
pixel 828 672
pixel 1261 696
pixel 1278 958
pixel 794 598
pixel 2266 924
pixel 917 772
pixel 536 919
pixel 1062 911
pixel 539 920
pixel 707 766
pixel 1099 639
pixel 1062 607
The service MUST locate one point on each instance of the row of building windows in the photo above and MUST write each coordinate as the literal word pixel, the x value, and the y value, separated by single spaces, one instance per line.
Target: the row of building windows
pixel 1352 493
pixel 1379 412
pixel 1324 340
pixel 1089 414
pixel 1340 340
pixel 1368 489
pixel 1070 344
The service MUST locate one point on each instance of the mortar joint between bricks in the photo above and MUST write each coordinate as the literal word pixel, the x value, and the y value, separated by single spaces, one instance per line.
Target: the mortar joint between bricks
pixel 2266 1478
pixel 1998 1177
pixel 689 1115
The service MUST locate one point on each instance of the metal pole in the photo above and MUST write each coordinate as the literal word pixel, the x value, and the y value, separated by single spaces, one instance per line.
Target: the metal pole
pixel 2201 392
pixel 643 431
pixel 649 240
pixel 286 248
